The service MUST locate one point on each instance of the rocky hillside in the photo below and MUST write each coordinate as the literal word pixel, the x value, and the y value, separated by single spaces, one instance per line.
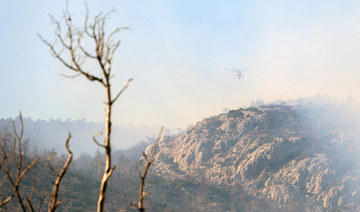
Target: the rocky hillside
pixel 300 158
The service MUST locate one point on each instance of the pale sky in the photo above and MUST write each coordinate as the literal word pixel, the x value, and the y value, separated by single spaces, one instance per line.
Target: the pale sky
pixel 177 52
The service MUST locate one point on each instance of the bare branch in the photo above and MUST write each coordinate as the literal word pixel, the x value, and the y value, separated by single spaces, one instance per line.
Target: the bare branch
pixel 80 36
pixel 122 90
pixel 58 31
pixel 56 54
pixel 110 173
pixel 21 128
pixel 51 156
pixel 114 48
pixel 96 142
pixel 28 168
pixel 74 67
pixel 70 76
pixel 16 153
pixel 86 21
pixel 40 202
pixel 149 161
pixel 108 39
pixel 28 201
pixel 32 190
pixel 54 203
pixel 156 143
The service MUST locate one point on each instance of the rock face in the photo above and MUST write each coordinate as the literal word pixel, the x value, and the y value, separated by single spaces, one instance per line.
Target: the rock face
pixel 303 156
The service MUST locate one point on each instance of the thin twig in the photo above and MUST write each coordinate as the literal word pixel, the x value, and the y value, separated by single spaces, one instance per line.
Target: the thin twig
pixel 96 142
pixel 28 199
pixel 40 202
pixel 122 90
pixel 70 77
pixel 32 190
pixel 51 156
pixel 77 69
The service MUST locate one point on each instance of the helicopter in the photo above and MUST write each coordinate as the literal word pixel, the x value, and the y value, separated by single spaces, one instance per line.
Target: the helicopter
pixel 238 72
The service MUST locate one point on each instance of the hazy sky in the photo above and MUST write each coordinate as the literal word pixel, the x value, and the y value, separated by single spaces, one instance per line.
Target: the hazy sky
pixel 177 52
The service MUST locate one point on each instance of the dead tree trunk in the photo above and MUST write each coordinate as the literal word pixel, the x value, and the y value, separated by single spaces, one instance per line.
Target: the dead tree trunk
pixel 105 47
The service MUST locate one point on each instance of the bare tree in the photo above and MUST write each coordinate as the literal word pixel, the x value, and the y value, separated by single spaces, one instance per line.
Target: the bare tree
pixel 16 159
pixel 72 41
pixel 148 159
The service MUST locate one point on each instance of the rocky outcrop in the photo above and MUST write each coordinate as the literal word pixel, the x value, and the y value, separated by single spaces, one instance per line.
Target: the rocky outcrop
pixel 274 152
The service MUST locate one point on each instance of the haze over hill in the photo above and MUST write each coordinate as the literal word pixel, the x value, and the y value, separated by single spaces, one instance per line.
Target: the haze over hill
pixel 285 155
pixel 296 158
pixel 51 134
pixel 275 157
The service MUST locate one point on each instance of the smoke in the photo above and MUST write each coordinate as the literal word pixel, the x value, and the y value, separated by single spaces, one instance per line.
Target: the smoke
pixel 51 134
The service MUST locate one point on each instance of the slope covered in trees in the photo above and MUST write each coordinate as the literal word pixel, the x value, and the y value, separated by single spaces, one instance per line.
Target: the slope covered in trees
pixel 79 188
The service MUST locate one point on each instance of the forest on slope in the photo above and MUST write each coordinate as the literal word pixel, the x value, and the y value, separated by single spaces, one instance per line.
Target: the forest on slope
pixel 267 158
pixel 79 189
